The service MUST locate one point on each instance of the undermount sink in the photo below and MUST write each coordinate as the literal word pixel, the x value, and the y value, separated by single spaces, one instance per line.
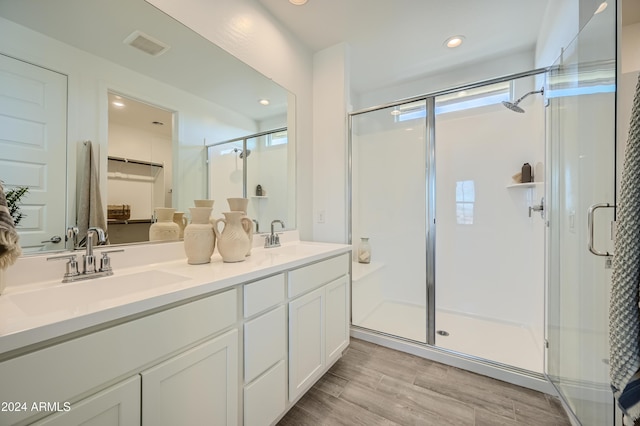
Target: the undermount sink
pixel 91 293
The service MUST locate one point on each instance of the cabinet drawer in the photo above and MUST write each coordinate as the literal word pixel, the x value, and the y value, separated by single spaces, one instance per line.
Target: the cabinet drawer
pixel 309 277
pixel 263 294
pixel 265 399
pixel 265 342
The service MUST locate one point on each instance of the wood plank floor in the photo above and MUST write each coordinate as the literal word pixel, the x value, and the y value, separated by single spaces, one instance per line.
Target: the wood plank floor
pixel 374 385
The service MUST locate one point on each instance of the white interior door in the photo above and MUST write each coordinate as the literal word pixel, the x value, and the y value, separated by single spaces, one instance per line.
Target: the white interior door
pixel 33 142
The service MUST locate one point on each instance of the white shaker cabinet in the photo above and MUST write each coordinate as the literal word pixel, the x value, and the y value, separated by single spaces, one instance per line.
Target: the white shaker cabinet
pixel 197 387
pixel 118 405
pixel 306 341
pixel 318 320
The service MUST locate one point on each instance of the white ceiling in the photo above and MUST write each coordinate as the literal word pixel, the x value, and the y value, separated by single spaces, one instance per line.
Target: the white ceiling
pixel 393 41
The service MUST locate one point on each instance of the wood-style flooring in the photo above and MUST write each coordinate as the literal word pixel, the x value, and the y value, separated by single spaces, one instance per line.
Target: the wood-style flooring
pixel 373 385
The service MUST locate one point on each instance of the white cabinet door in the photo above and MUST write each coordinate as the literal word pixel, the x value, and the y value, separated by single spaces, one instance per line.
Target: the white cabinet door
pixel 197 387
pixel 306 341
pixel 118 405
pixel 336 318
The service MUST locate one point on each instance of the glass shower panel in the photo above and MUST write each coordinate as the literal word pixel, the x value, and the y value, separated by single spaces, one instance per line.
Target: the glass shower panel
pixel 489 252
pixel 389 207
pixel 581 117
pixel 226 174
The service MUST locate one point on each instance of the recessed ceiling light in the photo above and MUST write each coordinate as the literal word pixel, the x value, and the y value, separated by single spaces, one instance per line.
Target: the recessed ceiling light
pixel 118 104
pixel 395 111
pixel 601 8
pixel 264 102
pixel 454 41
pixel 298 2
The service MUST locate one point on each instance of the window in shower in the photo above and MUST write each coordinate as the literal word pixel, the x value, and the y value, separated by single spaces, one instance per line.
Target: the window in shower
pixel 465 198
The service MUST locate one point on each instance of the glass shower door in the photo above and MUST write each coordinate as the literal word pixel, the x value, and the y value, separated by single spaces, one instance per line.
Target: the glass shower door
pixel 389 208
pixel 580 152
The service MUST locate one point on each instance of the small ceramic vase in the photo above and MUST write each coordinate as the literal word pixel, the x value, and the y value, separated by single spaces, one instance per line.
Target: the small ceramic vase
pixel 240 205
pixel 178 217
pixel 233 241
pixel 164 229
pixel 199 239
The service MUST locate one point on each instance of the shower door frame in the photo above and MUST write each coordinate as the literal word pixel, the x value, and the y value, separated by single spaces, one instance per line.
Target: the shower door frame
pixel 430 220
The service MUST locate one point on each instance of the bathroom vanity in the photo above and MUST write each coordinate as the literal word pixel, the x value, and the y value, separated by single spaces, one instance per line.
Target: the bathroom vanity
pixel 169 343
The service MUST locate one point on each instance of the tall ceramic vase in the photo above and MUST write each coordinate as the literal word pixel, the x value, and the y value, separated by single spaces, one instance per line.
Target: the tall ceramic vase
pixel 164 229
pixel 233 240
pixel 178 218
pixel 199 240
pixel 240 205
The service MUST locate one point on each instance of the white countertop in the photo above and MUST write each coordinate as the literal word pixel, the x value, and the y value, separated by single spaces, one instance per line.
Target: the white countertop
pixel 35 313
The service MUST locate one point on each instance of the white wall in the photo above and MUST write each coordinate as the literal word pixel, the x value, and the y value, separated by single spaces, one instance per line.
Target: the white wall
pixel 494 267
pixel 330 98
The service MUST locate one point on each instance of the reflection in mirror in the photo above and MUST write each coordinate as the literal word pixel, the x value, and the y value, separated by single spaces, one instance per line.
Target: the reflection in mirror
pixel 257 167
pixel 139 166
pixel 211 95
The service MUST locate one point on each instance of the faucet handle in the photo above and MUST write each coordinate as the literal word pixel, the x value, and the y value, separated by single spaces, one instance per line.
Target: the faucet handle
pixel 105 261
pixel 72 266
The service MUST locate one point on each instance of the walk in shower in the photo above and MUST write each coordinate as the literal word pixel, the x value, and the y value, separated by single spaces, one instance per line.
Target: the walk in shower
pixel 453 157
pixel 470 264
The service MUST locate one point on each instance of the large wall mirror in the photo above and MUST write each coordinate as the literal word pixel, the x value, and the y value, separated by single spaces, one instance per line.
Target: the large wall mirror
pixel 146 98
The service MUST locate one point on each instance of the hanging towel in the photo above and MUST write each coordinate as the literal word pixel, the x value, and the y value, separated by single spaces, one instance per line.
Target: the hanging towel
pixel 9 246
pixel 624 313
pixel 90 212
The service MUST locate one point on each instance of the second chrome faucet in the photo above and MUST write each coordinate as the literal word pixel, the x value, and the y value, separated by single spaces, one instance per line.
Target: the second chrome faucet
pixel 273 239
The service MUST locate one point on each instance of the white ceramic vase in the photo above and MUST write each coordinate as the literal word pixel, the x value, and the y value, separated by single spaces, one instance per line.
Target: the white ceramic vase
pixel 240 205
pixel 233 240
pixel 199 239
pixel 164 229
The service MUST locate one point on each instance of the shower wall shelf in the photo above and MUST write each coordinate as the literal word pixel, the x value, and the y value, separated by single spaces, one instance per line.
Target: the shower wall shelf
pixel 524 185
pixel 361 270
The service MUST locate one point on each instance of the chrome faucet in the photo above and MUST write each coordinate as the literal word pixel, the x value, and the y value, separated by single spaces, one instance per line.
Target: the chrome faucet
pixel 273 239
pixel 88 259
pixel 89 269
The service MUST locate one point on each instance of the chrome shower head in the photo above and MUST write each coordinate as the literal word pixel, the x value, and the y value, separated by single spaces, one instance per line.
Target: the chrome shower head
pixel 241 155
pixel 513 106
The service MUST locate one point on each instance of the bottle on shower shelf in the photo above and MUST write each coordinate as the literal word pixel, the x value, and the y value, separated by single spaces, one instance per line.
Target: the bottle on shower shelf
pixel 364 250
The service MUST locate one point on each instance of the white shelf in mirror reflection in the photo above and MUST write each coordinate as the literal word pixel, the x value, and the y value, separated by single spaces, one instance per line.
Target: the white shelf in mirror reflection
pixel 525 185
pixel 260 196
pixel 361 270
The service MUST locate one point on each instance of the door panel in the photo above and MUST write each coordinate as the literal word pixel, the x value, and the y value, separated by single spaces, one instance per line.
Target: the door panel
pixel 33 140
pixel 581 148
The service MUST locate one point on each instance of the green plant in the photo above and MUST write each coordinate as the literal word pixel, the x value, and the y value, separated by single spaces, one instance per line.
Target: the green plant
pixel 13 199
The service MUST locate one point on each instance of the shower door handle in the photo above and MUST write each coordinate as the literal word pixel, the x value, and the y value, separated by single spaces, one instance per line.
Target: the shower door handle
pixel 590 213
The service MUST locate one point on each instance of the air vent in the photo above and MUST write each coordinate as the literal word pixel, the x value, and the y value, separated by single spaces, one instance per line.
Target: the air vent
pixel 146 43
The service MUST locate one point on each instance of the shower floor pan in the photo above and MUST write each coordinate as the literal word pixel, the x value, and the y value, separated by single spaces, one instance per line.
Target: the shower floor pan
pixel 483 338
